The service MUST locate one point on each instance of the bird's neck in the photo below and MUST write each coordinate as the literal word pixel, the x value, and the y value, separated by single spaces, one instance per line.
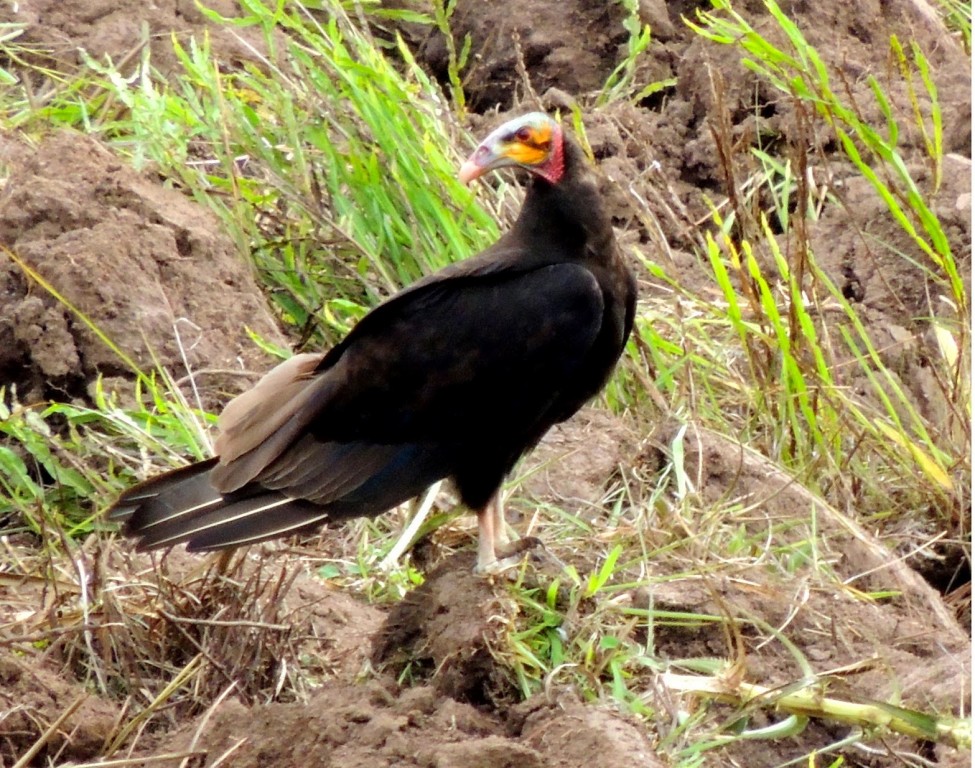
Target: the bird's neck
pixel 568 216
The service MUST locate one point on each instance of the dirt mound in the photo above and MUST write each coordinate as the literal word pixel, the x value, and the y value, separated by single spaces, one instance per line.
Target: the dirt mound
pixel 445 634
pixel 148 267
pixel 457 713
pixel 446 630
pixel 379 724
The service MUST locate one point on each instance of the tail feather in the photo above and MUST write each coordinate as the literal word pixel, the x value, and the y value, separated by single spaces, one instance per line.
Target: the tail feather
pixel 172 492
pixel 244 521
pixel 276 517
pixel 336 482
pixel 183 506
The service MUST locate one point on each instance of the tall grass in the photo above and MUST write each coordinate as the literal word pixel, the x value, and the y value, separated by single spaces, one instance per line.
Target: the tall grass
pixel 811 417
pixel 331 160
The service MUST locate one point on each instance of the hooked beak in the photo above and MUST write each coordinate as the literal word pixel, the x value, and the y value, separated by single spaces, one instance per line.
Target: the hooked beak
pixel 469 171
pixel 483 160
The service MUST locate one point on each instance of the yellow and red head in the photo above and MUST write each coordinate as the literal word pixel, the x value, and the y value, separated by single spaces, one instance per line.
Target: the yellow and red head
pixel 532 141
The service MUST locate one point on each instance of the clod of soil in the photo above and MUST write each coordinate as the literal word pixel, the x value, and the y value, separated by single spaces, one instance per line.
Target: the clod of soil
pixel 379 725
pixel 581 736
pixel 447 630
pixel 150 268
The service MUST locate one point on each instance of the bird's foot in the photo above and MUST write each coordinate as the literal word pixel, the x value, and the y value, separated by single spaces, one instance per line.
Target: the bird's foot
pixel 507 556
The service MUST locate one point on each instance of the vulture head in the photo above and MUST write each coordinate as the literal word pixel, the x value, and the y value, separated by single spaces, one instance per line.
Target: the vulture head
pixel 532 141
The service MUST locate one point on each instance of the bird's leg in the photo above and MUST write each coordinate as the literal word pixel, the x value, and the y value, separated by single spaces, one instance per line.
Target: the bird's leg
pixel 496 505
pixel 487 560
pixel 493 540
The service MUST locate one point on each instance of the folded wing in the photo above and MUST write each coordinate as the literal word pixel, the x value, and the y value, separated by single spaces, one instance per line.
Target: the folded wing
pixel 450 368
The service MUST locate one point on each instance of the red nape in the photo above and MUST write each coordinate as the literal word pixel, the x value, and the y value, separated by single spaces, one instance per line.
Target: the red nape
pixel 553 170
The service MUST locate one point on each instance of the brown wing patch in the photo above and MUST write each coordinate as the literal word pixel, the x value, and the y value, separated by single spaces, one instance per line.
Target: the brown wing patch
pixel 252 416
pixel 258 425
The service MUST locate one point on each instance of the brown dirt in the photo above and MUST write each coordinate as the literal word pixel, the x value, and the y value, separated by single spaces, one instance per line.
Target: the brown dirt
pixel 381 724
pixel 150 268
pixel 122 30
pixel 445 633
pixel 573 464
pixel 140 259
pixel 571 46
pixel 33 696
pixel 443 629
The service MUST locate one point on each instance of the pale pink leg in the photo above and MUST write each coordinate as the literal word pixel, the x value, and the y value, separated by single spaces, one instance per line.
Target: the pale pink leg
pixel 501 537
pixel 487 560
pixel 493 536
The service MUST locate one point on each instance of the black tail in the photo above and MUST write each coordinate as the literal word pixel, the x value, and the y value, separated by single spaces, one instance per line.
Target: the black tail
pixel 183 506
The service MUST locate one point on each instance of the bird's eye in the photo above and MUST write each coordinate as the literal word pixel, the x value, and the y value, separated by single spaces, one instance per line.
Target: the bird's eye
pixel 523 134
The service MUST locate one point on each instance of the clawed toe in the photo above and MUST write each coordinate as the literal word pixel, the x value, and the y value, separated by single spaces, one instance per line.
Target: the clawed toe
pixel 508 556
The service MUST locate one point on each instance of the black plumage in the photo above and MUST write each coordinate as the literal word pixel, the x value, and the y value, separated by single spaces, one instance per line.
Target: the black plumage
pixel 456 376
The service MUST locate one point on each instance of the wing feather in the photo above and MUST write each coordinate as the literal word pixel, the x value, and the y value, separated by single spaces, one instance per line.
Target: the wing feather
pixel 253 416
pixel 473 361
